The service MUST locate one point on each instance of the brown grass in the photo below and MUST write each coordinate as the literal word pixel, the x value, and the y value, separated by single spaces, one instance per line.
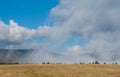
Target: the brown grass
pixel 60 70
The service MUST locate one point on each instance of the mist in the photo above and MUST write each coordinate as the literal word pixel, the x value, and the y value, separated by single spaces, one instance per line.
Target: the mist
pixel 82 31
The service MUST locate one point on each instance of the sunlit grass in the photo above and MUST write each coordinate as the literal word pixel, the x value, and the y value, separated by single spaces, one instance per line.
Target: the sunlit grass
pixel 60 70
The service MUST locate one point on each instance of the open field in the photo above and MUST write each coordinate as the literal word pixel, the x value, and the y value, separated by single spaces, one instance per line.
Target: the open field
pixel 60 70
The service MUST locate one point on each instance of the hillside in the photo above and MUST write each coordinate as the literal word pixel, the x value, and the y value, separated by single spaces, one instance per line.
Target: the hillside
pixel 60 70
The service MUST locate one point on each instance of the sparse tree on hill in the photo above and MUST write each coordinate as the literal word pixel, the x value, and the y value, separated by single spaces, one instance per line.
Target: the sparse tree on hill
pixel 96 62
pixel 116 63
pixel 48 62
pixel 82 63
pixel 104 63
pixel 90 63
pixel 43 63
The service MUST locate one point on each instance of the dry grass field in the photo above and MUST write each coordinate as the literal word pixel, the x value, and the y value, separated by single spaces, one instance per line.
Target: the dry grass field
pixel 60 70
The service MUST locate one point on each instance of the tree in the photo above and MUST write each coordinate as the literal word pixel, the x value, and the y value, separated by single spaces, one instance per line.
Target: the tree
pixel 48 62
pixel 116 63
pixel 96 62
pixel 112 63
pixel 82 63
pixel 90 63
pixel 43 63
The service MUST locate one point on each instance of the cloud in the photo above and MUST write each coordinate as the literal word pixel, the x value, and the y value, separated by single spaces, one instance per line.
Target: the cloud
pixel 94 20
pixel 97 21
pixel 15 33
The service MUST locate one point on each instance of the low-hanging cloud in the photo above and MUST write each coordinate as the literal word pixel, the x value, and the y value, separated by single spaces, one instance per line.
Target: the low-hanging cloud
pixel 94 20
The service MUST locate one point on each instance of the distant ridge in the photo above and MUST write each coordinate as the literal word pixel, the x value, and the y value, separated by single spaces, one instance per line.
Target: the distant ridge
pixel 13 55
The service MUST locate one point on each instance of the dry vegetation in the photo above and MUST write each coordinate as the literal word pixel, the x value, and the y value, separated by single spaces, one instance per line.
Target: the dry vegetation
pixel 60 70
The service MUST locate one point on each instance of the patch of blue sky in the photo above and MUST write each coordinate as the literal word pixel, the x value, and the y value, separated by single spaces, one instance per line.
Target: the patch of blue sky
pixel 28 13
pixel 74 40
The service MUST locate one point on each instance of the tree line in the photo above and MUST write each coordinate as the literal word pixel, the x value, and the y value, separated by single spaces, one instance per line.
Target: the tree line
pixel 95 62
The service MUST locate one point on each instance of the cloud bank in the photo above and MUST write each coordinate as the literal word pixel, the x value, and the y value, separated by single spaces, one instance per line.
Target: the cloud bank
pixel 96 21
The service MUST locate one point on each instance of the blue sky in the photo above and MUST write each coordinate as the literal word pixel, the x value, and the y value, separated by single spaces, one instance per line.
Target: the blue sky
pixel 31 14
pixel 26 11
pixel 80 30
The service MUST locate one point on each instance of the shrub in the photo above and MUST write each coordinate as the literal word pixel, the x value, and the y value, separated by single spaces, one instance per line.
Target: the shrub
pixel 43 63
pixel 96 62
pixel 48 62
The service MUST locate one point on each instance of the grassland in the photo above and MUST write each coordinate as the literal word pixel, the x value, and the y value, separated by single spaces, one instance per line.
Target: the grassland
pixel 60 70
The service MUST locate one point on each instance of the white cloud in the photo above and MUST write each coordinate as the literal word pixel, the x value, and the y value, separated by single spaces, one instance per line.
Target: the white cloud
pixel 15 33
pixel 89 18
pixel 74 50
pixel 96 20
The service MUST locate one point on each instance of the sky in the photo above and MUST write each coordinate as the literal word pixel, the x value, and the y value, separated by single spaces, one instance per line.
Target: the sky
pixel 26 11
pixel 67 31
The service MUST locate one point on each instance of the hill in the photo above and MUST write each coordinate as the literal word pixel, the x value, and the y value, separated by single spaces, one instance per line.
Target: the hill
pixel 12 55
pixel 60 70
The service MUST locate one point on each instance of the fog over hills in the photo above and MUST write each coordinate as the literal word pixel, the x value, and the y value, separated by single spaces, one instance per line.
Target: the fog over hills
pixel 13 55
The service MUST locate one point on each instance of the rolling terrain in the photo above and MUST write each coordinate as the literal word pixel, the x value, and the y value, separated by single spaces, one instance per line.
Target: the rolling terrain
pixel 60 70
